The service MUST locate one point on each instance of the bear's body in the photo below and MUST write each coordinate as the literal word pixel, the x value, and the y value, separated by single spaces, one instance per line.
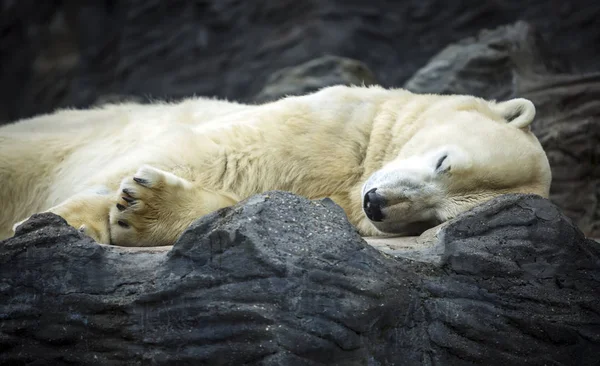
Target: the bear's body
pixel 140 174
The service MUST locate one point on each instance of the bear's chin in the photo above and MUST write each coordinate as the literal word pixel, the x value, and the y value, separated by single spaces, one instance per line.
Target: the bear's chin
pixel 415 228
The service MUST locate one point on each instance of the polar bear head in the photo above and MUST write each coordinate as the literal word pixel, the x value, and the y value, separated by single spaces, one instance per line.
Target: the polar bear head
pixel 464 152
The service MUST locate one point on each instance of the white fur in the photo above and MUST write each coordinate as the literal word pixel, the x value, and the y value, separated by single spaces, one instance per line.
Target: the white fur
pixel 203 154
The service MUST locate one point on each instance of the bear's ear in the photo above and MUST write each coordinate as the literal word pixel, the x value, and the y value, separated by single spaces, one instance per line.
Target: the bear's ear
pixel 518 112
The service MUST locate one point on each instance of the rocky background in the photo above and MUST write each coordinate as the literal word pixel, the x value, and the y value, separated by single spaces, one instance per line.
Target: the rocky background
pixel 278 279
pixel 63 53
pixel 76 54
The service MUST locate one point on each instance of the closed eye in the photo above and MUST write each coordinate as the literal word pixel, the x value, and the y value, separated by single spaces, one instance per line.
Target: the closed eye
pixel 439 163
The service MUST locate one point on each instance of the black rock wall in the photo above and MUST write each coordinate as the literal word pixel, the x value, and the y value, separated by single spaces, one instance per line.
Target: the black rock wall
pixel 70 53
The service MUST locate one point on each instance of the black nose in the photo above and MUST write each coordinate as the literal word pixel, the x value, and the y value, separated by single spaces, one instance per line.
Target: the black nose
pixel 372 205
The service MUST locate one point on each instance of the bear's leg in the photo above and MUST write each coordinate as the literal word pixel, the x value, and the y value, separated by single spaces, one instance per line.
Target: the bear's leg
pixel 154 207
pixel 87 212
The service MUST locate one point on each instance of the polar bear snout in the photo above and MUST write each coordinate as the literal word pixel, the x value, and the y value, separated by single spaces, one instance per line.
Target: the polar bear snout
pixel 404 195
pixel 373 203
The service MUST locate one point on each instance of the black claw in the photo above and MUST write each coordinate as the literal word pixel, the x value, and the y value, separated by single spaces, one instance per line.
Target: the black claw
pixel 123 224
pixel 128 199
pixel 141 181
pixel 127 191
pixel 120 207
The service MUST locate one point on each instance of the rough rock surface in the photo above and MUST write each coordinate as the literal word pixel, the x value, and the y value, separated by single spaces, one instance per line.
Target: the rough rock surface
pixel 314 75
pixel 568 126
pixel 486 65
pixel 281 280
pixel 514 61
pixel 70 53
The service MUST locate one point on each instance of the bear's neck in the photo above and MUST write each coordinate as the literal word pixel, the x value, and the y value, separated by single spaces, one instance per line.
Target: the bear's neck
pixel 320 145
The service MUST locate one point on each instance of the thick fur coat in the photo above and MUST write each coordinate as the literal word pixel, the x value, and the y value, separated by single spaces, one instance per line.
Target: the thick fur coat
pixel 395 161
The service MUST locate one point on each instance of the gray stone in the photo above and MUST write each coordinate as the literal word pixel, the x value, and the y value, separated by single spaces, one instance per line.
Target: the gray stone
pixel 281 280
pixel 486 65
pixel 568 127
pixel 314 75
pixel 68 53
pixel 118 99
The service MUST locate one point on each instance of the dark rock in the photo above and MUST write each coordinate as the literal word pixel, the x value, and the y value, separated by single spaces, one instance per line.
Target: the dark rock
pixel 568 126
pixel 281 280
pixel 118 99
pixel 67 53
pixel 314 75
pixel 513 61
pixel 485 65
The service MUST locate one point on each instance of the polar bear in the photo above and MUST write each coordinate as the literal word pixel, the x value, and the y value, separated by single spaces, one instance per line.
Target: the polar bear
pixel 395 161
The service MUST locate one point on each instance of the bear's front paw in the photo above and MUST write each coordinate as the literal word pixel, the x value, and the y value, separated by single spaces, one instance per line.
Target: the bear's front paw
pixel 147 209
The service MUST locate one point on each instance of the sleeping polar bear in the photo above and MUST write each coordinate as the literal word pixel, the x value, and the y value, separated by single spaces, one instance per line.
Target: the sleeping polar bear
pixel 396 162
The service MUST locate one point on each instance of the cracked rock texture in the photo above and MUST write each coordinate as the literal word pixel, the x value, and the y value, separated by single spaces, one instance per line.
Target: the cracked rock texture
pixel 281 280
